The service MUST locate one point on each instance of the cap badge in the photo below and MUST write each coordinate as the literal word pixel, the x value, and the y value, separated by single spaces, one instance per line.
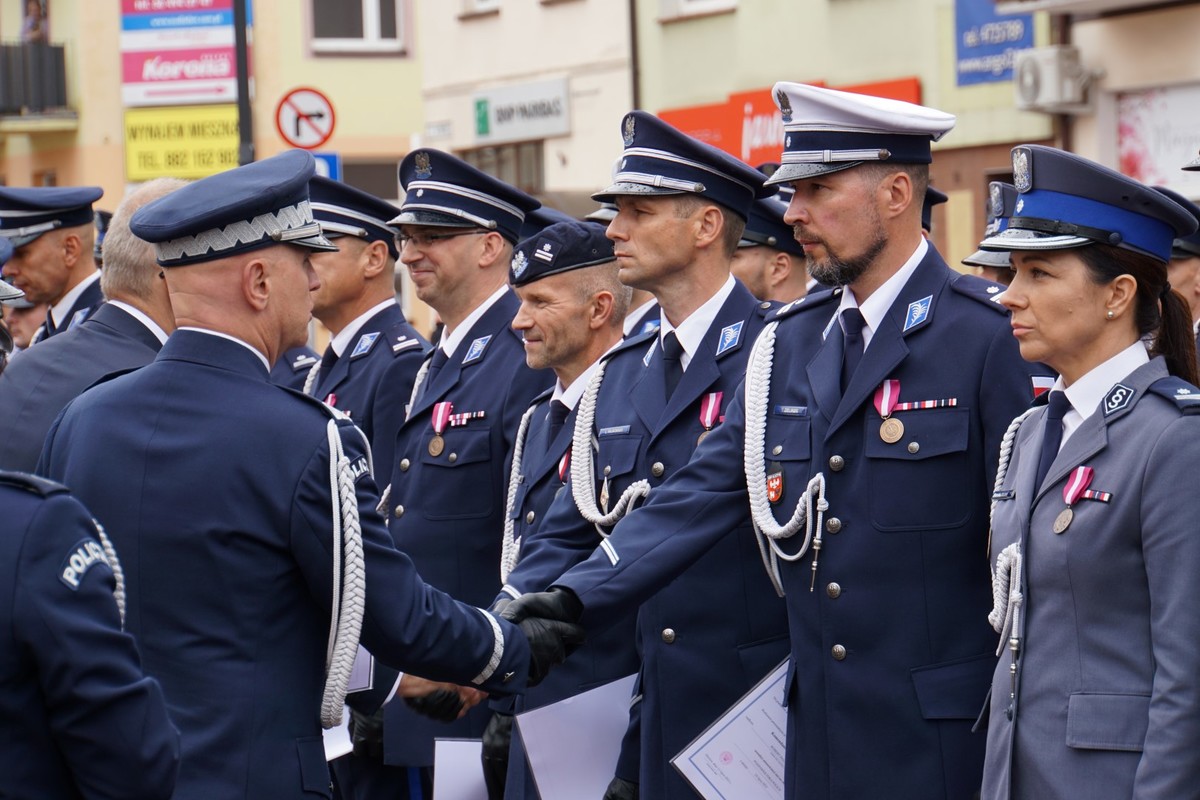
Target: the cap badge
pixel 545 251
pixel 1022 170
pixel 519 264
pixel 997 200
pixel 628 131
pixel 1020 206
pixel 785 105
pixel 424 168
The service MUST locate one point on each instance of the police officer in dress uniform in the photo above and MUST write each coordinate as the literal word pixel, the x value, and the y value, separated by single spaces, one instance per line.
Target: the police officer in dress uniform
pixel 769 260
pixel 122 334
pixel 1183 270
pixel 374 354
pixel 78 718
pixel 643 315
pixel 571 313
pixel 21 317
pixel 994 264
pixel 242 505
pixel 51 231
pixel 447 491
pixel 1097 560
pixel 710 634
pixel 868 469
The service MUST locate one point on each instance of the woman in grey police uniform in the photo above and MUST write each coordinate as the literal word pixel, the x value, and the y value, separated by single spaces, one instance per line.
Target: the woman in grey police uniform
pixel 1095 546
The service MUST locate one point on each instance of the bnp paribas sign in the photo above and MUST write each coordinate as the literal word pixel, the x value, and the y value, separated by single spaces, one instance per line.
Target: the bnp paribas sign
pixel 522 112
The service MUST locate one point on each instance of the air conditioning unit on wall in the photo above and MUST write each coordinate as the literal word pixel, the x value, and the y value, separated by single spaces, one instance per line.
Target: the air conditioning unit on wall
pixel 1051 79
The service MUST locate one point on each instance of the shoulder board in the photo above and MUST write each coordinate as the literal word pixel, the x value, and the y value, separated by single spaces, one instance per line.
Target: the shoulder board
pixel 981 291
pixel 1184 395
pixel 31 483
pixel 109 376
pixel 634 342
pixel 303 361
pixel 326 409
pixel 815 300
pixel 767 307
pixel 402 340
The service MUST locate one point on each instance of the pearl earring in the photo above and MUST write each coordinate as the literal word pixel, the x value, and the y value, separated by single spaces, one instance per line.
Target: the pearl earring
pixel 1110 315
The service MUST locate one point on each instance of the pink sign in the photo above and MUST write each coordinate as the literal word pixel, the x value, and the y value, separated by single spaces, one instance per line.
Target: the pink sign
pixel 208 63
pixel 172 6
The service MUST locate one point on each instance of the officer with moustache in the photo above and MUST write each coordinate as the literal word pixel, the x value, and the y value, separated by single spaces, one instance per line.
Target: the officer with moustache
pixel 864 443
pixel 255 558
pixel 709 635
pixel 51 231
pixel 446 498
pixel 373 353
pixel 571 313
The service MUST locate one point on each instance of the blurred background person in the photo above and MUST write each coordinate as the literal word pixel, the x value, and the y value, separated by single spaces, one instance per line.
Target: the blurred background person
pixel 769 260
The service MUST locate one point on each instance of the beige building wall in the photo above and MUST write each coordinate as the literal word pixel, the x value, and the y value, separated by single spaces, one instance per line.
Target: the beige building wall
pixel 525 42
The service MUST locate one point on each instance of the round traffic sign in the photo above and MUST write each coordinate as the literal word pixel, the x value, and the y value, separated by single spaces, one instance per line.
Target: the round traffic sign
pixel 304 118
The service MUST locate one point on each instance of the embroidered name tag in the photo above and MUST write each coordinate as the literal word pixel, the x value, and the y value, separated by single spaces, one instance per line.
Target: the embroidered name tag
pixel 792 411
pixel 615 430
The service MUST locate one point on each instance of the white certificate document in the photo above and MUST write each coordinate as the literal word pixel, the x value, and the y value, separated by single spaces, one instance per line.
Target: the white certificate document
pixel 457 770
pixel 741 755
pixel 573 745
pixel 337 740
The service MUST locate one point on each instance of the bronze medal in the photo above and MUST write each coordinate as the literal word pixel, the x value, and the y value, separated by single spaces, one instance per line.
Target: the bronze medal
pixel 702 436
pixel 1063 520
pixel 436 445
pixel 892 430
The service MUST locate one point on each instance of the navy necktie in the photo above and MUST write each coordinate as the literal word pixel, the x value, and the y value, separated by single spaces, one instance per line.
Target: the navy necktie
pixel 672 365
pixel 1056 409
pixel 435 366
pixel 327 361
pixel 852 352
pixel 555 419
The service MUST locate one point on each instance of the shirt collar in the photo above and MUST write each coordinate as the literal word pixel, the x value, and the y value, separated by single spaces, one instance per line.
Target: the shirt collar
pixel 634 316
pixel 1086 393
pixel 876 307
pixel 450 341
pixel 243 343
pixel 691 331
pixel 141 317
pixel 342 340
pixel 59 310
pixel 571 394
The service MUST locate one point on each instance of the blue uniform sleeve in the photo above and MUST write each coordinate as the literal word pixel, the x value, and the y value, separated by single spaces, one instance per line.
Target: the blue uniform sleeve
pixel 109 720
pixel 629 760
pixel 407 623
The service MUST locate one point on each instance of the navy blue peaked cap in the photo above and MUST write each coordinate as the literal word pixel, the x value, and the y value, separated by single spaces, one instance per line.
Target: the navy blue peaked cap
pixel 1193 165
pixel 1184 246
pixel 765 227
pixel 349 211
pixel 1001 201
pixel 562 247
pixel 602 215
pixel 247 208
pixel 1067 201
pixel 28 212
pixel 7 290
pixel 933 197
pixel 444 191
pixel 541 218
pixel 6 250
pixel 659 159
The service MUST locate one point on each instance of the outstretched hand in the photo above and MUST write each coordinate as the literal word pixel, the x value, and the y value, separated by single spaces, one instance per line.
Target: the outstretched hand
pixel 444 702
pixel 548 620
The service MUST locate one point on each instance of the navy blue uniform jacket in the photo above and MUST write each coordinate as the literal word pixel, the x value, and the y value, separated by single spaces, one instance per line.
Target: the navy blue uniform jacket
pixel 83 307
pixel 38 385
pixel 291 368
pixel 78 719
pixel 214 486
pixel 711 633
pixel 447 511
pixel 892 652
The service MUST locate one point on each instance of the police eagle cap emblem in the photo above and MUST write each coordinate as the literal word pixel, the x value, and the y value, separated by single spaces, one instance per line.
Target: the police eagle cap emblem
pixel 996 207
pixel 519 264
pixel 785 105
pixel 1022 170
pixel 628 129
pixel 424 168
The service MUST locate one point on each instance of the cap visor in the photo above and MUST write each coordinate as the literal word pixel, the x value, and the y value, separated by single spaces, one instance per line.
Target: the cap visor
pixel 10 292
pixel 315 243
pixel 1192 166
pixel 1018 239
pixel 625 188
pixel 602 215
pixel 21 241
pixel 988 258
pixel 431 218
pixel 797 172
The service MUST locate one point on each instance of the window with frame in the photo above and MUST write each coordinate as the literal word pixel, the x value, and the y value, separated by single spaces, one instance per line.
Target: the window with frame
pixel 517 164
pixel 358 26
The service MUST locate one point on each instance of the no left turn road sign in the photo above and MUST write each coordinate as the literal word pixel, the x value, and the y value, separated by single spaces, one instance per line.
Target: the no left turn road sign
pixel 304 118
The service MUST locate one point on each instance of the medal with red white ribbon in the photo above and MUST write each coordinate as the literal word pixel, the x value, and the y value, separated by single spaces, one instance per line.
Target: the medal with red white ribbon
pixel 564 466
pixel 441 416
pixel 710 412
pixel 886 398
pixel 1077 484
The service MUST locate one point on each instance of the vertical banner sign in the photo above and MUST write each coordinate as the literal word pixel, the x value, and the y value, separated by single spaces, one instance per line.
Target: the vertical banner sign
pixel 177 52
pixel 986 42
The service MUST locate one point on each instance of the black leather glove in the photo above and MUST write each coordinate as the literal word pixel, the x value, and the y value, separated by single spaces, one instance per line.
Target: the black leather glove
pixel 557 603
pixel 497 737
pixel 499 606
pixel 621 789
pixel 442 705
pixel 366 734
pixel 550 642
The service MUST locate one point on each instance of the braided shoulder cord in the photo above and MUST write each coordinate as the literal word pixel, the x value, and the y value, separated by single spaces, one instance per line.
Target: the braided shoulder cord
pixel 1006 577
pixel 767 530
pixel 512 545
pixel 348 600
pixel 310 380
pixel 583 476
pixel 110 554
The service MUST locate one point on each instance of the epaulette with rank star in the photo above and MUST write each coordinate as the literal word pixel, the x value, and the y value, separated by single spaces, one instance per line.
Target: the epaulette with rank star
pixel 632 342
pixel 1184 395
pixel 31 483
pixel 402 342
pixel 980 290
pixel 813 300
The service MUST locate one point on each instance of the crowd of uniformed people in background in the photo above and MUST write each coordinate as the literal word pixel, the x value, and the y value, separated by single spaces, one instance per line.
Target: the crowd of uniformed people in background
pixel 734 416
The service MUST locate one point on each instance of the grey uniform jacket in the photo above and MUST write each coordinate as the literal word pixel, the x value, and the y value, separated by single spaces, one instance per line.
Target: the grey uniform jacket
pixel 1107 686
